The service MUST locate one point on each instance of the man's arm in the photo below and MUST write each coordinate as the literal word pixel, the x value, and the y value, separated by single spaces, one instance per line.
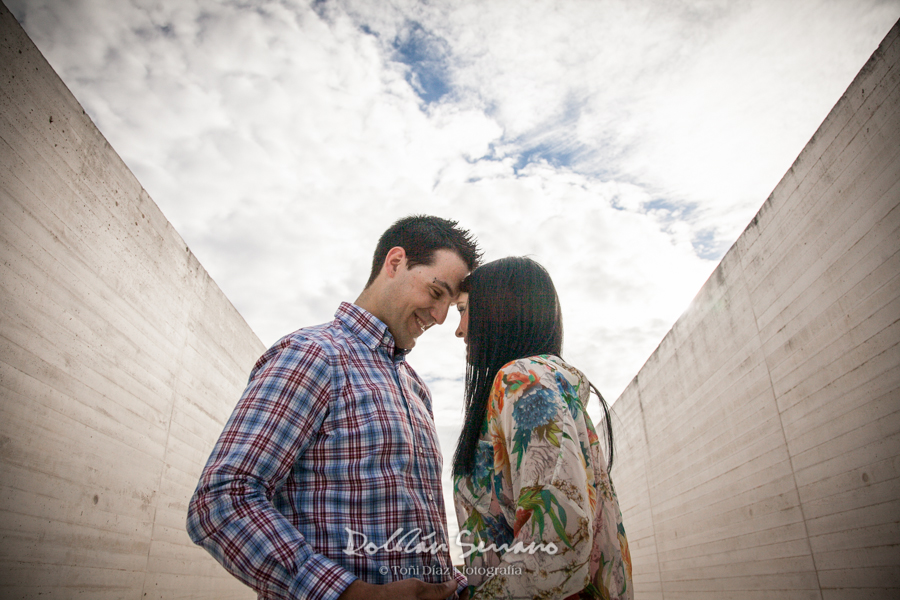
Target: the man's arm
pixel 231 514
pixel 406 589
pixel 462 584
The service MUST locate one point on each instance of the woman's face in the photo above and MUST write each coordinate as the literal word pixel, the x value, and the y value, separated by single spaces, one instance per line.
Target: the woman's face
pixel 462 306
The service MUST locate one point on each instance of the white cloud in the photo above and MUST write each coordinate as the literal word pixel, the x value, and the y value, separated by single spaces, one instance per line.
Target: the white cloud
pixel 705 103
pixel 721 129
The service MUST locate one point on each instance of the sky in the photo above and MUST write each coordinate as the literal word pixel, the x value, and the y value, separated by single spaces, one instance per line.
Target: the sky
pixel 623 144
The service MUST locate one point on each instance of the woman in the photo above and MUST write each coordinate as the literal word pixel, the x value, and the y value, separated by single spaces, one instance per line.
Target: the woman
pixel 537 512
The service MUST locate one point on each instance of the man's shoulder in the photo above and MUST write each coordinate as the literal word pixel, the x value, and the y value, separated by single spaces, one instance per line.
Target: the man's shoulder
pixel 316 343
pixel 325 337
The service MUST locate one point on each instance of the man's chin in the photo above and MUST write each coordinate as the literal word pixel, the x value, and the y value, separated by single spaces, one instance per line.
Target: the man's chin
pixel 407 344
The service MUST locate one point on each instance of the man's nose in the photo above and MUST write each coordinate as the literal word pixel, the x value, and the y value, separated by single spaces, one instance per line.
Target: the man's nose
pixel 439 312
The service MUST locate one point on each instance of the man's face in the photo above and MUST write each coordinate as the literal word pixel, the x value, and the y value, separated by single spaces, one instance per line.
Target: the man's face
pixel 422 295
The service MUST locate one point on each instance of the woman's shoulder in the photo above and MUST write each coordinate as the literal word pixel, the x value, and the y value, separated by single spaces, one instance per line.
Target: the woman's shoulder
pixel 542 369
pixel 541 362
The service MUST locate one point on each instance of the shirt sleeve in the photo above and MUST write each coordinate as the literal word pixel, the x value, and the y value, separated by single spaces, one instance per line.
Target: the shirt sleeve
pixel 535 439
pixel 230 513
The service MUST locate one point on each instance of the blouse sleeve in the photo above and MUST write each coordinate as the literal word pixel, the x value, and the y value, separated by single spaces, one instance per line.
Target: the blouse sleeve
pixel 542 471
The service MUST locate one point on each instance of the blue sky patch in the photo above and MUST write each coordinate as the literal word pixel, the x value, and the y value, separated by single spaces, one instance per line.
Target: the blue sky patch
pixel 552 154
pixel 426 55
pixel 707 246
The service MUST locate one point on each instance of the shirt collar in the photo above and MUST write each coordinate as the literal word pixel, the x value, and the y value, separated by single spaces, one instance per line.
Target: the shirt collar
pixel 370 330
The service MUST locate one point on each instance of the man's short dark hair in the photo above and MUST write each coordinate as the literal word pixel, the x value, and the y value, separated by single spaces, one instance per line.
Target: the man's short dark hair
pixel 421 236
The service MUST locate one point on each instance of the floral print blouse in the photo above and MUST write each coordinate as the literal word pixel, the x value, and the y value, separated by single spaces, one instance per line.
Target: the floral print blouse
pixel 539 517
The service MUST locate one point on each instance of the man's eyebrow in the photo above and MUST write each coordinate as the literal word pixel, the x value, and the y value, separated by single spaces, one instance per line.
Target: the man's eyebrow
pixel 445 285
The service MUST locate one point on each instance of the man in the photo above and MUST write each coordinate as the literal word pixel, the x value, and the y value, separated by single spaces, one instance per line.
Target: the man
pixel 326 480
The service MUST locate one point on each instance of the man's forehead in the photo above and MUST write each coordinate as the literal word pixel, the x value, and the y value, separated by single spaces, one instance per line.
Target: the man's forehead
pixel 448 271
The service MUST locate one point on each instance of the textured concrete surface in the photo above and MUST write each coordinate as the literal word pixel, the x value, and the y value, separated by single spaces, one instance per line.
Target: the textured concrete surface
pixel 120 360
pixel 759 446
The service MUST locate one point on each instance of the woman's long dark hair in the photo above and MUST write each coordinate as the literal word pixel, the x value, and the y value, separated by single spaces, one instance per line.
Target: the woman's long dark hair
pixel 514 313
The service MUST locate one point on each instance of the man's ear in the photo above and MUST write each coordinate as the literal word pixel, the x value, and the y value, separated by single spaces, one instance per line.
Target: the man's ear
pixel 394 261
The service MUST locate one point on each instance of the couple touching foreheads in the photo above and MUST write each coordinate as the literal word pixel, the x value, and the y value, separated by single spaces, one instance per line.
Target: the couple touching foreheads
pixel 326 481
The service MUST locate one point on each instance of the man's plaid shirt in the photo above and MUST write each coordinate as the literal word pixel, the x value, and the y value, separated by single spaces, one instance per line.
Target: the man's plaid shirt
pixel 331 447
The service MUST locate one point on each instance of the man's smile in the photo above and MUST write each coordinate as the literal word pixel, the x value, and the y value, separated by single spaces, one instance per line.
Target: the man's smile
pixel 421 323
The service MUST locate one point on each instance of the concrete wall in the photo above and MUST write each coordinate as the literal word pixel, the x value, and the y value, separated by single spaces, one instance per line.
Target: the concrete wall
pixel 759 446
pixel 120 360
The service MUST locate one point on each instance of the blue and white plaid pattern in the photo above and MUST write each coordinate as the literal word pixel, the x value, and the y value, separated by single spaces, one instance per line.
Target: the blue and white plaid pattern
pixel 334 434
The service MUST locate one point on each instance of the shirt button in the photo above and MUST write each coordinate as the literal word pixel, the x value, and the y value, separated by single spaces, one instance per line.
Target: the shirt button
pixel 430 497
